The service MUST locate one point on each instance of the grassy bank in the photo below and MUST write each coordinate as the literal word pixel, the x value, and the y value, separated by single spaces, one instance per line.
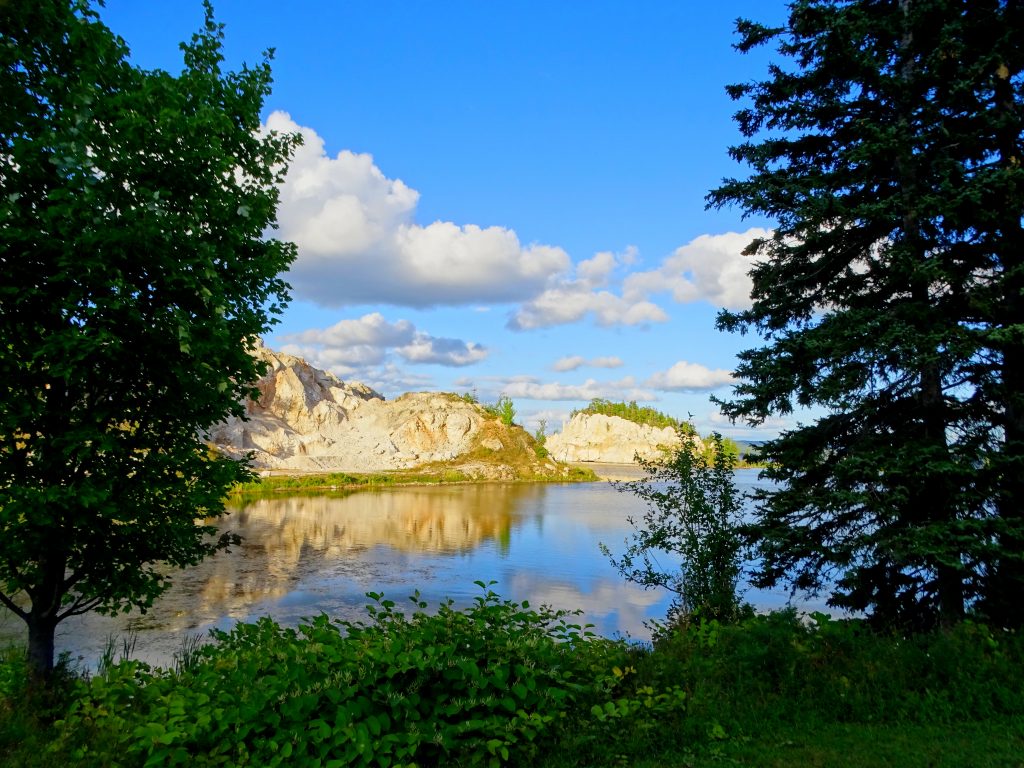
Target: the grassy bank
pixel 501 683
pixel 353 481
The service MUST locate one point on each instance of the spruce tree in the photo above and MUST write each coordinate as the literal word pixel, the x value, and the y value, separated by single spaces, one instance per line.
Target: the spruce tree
pixel 886 145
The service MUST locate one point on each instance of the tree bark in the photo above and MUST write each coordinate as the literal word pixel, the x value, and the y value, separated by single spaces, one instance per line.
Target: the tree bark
pixel 43 617
pixel 41 632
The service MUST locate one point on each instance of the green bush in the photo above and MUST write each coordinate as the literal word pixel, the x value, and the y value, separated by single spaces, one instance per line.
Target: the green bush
pixel 482 686
pixel 693 511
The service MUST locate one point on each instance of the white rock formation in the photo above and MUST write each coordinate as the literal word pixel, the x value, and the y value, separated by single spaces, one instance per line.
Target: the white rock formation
pixel 609 439
pixel 309 420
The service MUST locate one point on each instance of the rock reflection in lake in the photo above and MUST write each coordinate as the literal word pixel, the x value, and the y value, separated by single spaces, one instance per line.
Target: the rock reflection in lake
pixel 287 540
pixel 303 555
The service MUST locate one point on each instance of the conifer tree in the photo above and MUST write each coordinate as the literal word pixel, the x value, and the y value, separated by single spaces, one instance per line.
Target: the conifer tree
pixel 886 144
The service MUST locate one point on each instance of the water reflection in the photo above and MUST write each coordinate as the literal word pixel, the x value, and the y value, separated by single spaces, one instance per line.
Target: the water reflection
pixel 290 539
pixel 303 555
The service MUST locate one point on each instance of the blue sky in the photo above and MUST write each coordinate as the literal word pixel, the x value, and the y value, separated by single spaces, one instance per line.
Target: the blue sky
pixel 502 197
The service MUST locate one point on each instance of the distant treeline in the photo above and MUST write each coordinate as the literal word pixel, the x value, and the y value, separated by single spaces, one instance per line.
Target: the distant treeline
pixel 639 414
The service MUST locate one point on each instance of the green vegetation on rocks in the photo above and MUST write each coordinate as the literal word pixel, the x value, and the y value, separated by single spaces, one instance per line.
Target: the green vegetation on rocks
pixel 637 414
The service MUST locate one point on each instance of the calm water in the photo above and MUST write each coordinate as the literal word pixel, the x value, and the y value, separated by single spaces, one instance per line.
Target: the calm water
pixel 303 555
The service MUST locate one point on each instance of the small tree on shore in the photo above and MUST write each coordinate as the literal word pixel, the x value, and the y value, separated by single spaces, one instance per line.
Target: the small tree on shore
pixel 693 511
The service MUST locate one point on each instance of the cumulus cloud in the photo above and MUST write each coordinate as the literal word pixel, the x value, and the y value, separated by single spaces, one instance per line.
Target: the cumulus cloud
pixel 690 377
pixel 359 243
pixel 572 362
pixel 585 293
pixel 710 268
pixel 369 340
pixel 451 352
pixel 624 389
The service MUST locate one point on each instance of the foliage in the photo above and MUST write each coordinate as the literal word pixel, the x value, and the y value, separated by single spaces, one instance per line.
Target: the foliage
pixel 133 215
pixel 886 146
pixel 638 414
pixel 503 410
pixel 27 709
pixel 488 685
pixel 707 692
pixel 540 438
pixel 816 670
pixel 693 511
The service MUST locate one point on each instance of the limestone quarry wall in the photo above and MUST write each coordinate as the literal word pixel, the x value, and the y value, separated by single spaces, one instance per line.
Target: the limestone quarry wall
pixel 308 420
pixel 609 439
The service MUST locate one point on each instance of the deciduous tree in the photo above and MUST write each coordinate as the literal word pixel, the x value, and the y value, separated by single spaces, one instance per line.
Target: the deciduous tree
pixel 136 272
pixel 693 512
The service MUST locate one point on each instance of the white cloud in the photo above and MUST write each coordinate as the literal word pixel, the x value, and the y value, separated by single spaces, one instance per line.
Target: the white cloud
pixel 572 362
pixel 769 429
pixel 451 352
pixel 554 419
pixel 359 243
pixel 391 380
pixel 371 329
pixel 571 299
pixel 624 389
pixel 690 377
pixel 353 343
pixel 710 268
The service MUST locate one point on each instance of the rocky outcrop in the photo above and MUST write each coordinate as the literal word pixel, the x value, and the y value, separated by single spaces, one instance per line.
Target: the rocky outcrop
pixel 609 439
pixel 309 420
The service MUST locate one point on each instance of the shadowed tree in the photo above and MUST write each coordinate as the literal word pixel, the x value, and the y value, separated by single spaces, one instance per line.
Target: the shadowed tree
pixel 136 272
pixel 886 145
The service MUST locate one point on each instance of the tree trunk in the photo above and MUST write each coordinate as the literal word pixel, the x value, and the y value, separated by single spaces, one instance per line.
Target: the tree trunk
pixel 937 496
pixel 41 631
pixel 43 617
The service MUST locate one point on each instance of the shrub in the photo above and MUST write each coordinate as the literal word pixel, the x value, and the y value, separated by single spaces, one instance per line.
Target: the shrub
pixel 693 510
pixel 480 686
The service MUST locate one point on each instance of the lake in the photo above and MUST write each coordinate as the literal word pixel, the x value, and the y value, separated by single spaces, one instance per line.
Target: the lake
pixel 306 554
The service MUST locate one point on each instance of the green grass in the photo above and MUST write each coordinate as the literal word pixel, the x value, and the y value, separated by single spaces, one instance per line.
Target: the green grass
pixel 331 481
pixel 995 743
pixel 350 481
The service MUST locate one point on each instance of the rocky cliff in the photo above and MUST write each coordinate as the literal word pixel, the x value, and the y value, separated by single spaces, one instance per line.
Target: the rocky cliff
pixel 611 439
pixel 309 420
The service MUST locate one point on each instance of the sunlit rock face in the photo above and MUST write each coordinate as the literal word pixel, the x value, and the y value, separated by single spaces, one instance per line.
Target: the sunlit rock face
pixel 307 419
pixel 598 438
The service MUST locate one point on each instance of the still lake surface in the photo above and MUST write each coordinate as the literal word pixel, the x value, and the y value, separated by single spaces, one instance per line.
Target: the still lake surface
pixel 308 554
